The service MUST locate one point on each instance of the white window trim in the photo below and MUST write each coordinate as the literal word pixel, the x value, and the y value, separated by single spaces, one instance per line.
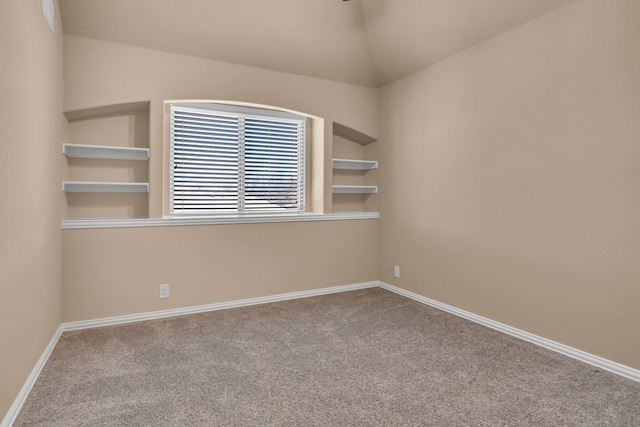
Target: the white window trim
pixel 239 109
pixel 168 221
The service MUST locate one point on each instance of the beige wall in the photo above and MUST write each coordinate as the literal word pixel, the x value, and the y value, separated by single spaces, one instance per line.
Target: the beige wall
pixel 511 174
pixel 109 272
pixel 31 127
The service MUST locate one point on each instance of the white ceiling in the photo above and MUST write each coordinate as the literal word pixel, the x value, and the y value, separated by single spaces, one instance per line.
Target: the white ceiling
pixel 364 42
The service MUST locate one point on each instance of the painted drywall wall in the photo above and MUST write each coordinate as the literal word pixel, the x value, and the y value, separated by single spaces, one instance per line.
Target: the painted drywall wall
pixel 109 272
pixel 112 272
pixel 31 127
pixel 511 181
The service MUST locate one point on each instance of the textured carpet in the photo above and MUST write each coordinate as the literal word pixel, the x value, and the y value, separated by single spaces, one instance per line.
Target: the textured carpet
pixel 359 358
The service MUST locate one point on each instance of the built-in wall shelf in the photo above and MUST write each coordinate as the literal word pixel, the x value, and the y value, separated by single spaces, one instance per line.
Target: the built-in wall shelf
pixel 104 187
pixel 354 164
pixel 355 189
pixel 354 168
pixel 106 161
pixel 106 111
pixel 105 152
pixel 352 134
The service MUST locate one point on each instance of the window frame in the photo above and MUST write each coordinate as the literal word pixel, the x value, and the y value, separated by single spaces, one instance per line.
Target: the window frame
pixel 260 113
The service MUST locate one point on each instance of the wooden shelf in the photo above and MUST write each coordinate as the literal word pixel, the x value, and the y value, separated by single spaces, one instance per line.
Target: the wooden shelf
pixel 354 164
pixel 105 152
pixel 104 187
pixel 351 134
pixel 106 111
pixel 355 189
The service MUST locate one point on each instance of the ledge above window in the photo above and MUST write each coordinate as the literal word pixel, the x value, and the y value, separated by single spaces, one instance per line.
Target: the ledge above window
pixel 207 220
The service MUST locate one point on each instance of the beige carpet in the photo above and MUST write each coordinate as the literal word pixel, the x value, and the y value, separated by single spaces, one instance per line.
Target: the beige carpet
pixel 360 358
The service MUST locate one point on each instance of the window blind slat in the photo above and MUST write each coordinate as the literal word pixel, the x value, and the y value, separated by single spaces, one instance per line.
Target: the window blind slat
pixel 235 162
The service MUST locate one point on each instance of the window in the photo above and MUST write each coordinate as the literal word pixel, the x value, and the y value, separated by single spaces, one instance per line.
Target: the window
pixel 227 159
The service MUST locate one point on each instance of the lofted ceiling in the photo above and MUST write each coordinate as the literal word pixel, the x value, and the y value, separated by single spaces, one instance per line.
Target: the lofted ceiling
pixel 363 42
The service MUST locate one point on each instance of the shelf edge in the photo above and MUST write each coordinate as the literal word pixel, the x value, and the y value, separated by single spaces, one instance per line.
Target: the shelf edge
pixel 104 187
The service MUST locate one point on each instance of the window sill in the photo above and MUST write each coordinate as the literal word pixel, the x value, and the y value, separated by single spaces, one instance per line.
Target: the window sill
pixel 198 220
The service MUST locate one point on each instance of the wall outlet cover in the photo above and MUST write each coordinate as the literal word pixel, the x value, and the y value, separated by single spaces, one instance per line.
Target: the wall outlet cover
pixel 164 291
pixel 396 271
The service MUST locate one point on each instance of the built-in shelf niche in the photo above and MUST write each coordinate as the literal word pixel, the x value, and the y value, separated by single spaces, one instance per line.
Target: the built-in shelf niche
pixel 354 167
pixel 106 170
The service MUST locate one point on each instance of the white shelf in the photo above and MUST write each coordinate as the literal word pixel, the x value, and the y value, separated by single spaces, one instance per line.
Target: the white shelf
pixel 105 152
pixel 354 164
pixel 352 134
pixel 106 111
pixel 104 187
pixel 355 189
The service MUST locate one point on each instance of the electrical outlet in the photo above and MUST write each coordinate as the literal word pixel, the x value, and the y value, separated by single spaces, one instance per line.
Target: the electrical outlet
pixel 164 291
pixel 396 271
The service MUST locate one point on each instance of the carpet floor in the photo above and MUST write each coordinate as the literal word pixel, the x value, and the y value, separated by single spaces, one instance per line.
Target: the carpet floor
pixel 360 358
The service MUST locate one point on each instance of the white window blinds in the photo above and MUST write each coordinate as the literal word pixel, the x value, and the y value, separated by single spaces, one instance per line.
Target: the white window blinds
pixel 234 160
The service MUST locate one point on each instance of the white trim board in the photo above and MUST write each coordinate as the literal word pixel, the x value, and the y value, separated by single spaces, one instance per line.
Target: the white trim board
pixel 209 220
pixel 109 321
pixel 599 362
pixel 14 410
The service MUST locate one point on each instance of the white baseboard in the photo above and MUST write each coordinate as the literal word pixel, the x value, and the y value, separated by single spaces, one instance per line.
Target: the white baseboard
pixel 11 415
pixel 574 353
pixel 109 321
